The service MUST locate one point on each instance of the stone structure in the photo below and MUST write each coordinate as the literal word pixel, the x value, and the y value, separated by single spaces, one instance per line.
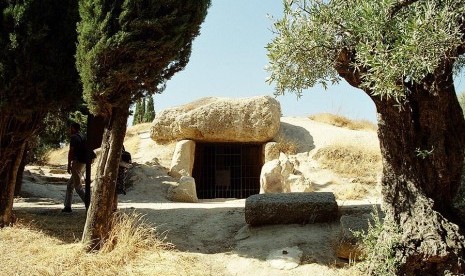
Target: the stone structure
pixel 183 159
pixel 280 176
pixel 254 120
pixel 246 120
pixel 288 208
pixel 184 192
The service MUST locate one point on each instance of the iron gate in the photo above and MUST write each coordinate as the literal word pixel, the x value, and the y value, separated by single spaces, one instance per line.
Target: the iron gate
pixel 227 170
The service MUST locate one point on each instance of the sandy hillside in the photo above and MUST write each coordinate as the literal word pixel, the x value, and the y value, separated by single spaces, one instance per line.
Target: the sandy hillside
pixel 215 230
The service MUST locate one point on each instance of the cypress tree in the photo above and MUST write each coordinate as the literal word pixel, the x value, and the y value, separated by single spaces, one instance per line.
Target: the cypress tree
pixel 126 50
pixel 149 111
pixel 136 118
pixel 37 75
pixel 142 112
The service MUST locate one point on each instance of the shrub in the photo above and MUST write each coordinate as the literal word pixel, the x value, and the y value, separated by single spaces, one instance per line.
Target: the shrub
pixel 378 247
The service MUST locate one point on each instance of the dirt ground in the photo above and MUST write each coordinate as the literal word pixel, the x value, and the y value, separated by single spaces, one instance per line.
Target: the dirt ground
pixel 213 230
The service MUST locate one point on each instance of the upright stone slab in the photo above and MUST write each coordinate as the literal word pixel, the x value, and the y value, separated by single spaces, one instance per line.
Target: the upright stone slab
pixel 245 120
pixel 183 159
pixel 288 208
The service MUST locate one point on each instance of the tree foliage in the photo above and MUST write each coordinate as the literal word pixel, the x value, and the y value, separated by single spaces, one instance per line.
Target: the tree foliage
pixel 149 115
pixel 137 112
pixel 38 44
pixel 396 42
pixel 128 49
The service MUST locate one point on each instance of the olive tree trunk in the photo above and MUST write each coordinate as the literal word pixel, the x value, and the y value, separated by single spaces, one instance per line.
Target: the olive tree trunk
pixel 423 145
pixel 422 141
pixel 103 200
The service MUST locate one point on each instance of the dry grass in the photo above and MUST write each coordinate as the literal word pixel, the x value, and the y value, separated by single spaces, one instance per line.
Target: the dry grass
pixel 133 249
pixel 362 164
pixel 341 121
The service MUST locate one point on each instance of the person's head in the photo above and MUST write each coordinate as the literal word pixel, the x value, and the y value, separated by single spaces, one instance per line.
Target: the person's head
pixel 74 128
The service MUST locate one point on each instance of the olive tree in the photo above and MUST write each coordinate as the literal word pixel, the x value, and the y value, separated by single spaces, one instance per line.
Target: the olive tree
pixel 127 50
pixel 404 55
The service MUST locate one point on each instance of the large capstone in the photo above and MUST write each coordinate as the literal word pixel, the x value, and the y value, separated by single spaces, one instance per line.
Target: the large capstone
pixel 288 208
pixel 255 119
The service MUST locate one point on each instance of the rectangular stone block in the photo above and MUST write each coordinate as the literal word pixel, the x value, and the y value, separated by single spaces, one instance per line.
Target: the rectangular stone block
pixel 289 208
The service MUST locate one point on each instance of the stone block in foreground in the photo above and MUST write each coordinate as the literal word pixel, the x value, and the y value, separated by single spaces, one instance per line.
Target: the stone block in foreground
pixel 289 208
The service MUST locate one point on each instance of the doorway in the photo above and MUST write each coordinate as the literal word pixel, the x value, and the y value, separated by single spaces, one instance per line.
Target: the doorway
pixel 227 170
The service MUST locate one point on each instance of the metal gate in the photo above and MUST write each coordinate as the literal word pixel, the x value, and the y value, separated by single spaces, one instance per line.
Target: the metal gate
pixel 227 170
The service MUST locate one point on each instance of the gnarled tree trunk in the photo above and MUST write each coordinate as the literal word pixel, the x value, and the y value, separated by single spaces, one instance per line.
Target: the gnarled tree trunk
pixel 423 145
pixel 103 200
pixel 422 141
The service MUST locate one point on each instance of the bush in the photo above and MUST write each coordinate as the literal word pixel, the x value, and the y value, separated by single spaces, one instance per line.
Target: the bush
pixel 378 247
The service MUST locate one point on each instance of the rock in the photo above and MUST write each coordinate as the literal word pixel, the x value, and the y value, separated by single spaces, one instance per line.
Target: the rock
pixel 255 119
pixel 280 176
pixel 286 258
pixel 184 192
pixel 243 233
pixel 288 208
pixel 298 183
pixel 271 178
pixel 348 245
pixel 183 159
pixel 271 151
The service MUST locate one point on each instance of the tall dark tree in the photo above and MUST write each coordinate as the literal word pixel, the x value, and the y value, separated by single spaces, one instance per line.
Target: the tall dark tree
pixel 126 50
pixel 402 54
pixel 149 111
pixel 37 75
pixel 137 112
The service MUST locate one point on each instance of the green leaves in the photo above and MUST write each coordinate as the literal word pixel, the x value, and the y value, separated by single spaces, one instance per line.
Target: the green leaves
pixel 128 49
pixel 389 49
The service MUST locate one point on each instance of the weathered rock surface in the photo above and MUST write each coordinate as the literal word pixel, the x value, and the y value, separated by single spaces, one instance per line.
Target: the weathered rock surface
pixel 183 159
pixel 271 151
pixel 288 208
pixel 184 192
pixel 348 245
pixel 255 119
pixel 280 176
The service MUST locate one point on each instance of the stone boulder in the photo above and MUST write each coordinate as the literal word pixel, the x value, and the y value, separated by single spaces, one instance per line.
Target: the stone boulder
pixel 255 119
pixel 280 176
pixel 184 192
pixel 289 208
pixel 182 162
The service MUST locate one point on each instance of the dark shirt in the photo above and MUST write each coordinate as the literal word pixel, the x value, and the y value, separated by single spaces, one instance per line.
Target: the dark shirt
pixel 77 142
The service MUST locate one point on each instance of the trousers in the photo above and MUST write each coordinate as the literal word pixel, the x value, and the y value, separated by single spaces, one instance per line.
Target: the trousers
pixel 75 182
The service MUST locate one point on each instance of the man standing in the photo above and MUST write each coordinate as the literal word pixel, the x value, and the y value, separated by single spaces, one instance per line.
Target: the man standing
pixel 76 165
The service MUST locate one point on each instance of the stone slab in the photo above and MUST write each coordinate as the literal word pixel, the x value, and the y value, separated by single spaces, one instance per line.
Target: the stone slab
pixel 289 208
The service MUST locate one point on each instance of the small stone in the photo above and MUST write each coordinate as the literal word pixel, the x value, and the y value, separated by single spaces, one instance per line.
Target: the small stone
pixel 285 259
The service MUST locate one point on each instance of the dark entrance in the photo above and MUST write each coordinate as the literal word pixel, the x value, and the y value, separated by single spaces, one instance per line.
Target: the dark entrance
pixel 227 170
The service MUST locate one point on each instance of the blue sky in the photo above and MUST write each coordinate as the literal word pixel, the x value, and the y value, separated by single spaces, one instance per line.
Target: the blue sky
pixel 229 57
